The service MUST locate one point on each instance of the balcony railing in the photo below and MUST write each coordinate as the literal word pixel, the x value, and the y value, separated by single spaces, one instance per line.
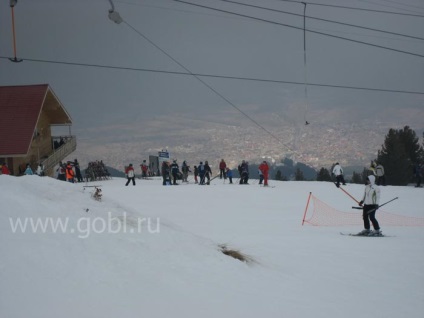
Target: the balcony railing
pixel 60 153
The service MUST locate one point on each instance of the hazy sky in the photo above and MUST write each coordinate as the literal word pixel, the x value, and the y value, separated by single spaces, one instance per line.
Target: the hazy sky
pixel 215 43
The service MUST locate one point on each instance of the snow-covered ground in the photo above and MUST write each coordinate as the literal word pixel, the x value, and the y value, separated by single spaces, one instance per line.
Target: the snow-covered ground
pixel 153 251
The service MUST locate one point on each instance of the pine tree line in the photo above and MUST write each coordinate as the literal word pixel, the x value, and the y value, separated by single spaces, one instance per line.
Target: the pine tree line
pixel 399 154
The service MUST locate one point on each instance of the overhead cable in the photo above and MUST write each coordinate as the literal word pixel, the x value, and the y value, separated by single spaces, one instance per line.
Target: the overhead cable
pixel 354 8
pixel 299 28
pixel 251 79
pixel 324 20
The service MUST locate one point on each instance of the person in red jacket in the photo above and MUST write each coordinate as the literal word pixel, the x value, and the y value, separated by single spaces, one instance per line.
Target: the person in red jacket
pixel 5 169
pixel 70 174
pixel 129 171
pixel 222 166
pixel 265 171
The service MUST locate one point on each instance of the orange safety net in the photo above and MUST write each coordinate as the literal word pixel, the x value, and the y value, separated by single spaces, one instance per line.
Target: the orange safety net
pixel 324 215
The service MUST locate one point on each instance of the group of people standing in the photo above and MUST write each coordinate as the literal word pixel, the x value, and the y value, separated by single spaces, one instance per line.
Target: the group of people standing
pixel 203 172
pixel 69 171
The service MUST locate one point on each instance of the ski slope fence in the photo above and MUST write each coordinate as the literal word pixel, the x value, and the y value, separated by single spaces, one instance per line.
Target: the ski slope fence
pixel 318 213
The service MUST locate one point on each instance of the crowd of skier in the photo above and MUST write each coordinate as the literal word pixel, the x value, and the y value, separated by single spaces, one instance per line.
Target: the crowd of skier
pixel 172 172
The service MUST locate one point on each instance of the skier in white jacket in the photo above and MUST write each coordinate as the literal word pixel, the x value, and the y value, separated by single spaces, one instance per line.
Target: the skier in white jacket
pixel 338 172
pixel 370 203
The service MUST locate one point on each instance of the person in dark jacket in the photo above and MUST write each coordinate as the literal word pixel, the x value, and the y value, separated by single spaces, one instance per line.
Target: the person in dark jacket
pixel 185 169
pixel 202 172
pixel 61 171
pixel 175 170
pixel 165 171
pixel 196 173
pixel 77 171
pixel 418 174
pixel 208 172
pixel 244 172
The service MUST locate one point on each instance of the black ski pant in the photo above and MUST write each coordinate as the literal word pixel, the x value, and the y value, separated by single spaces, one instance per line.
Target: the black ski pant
pixel 368 214
pixel 166 179
pixel 79 176
pixel 175 177
pixel 222 174
pixel 129 179
pixel 339 179
pixel 381 180
pixel 202 178
pixel 244 178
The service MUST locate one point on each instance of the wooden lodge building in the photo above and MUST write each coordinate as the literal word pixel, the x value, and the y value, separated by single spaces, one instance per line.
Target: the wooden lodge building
pixel 27 114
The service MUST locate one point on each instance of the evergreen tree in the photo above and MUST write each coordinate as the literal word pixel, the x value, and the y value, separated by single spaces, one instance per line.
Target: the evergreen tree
pixel 278 176
pixel 356 178
pixel 309 173
pixel 399 153
pixel 323 175
pixel 364 175
pixel 298 176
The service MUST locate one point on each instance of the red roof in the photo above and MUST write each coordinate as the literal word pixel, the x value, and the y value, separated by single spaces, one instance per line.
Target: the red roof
pixel 20 108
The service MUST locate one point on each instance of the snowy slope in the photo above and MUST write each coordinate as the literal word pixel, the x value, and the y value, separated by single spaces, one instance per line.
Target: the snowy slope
pixel 172 266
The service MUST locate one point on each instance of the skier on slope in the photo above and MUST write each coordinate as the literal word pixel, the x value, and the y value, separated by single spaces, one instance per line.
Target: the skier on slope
pixel 338 172
pixel 264 168
pixel 129 172
pixel 370 203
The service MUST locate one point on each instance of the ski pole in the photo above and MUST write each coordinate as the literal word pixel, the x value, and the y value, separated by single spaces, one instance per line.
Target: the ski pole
pixel 349 194
pixel 360 208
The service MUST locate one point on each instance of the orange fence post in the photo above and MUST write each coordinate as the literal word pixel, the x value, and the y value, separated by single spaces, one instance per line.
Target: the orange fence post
pixel 306 209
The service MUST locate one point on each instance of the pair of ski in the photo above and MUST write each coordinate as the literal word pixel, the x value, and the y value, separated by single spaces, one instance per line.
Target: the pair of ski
pixel 361 235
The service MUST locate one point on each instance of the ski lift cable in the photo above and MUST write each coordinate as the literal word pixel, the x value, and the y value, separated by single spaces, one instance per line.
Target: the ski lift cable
pixel 305 64
pixel 251 79
pixel 390 5
pixel 209 87
pixel 355 8
pixel 323 20
pixel 198 78
pixel 300 28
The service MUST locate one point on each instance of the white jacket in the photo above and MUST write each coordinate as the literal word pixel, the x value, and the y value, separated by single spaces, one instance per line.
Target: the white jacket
pixel 337 170
pixel 379 171
pixel 372 192
pixel 130 173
